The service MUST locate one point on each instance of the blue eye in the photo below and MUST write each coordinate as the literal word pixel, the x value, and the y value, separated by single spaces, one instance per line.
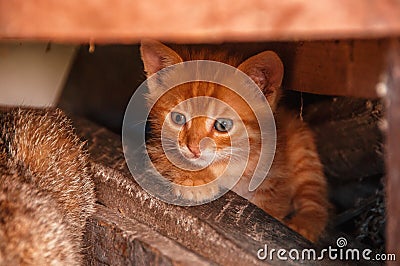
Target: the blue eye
pixel 223 124
pixel 178 118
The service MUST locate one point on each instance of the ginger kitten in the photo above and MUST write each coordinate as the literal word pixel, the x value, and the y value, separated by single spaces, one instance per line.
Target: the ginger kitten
pixel 295 190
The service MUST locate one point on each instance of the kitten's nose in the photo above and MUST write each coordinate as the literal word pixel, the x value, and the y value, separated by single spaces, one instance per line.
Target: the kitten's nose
pixel 195 150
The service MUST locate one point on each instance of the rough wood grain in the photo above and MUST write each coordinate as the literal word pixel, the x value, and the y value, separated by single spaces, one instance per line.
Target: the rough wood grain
pixel 393 153
pixel 196 21
pixel 117 240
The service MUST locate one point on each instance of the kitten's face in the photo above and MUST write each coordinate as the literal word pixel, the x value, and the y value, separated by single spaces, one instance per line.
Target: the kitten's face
pixel 208 131
pixel 204 124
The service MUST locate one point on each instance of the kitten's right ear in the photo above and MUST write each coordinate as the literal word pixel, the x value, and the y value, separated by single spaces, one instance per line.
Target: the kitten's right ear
pixel 266 70
pixel 156 56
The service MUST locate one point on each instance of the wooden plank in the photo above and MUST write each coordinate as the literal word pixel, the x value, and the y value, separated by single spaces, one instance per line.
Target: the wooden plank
pixel 346 68
pixel 393 153
pixel 112 239
pixel 126 21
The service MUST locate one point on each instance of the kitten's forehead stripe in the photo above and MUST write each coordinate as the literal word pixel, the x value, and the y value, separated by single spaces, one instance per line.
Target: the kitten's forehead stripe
pixel 200 53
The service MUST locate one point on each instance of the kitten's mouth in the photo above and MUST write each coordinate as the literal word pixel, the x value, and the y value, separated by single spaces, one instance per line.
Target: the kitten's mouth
pixel 190 155
pixel 201 159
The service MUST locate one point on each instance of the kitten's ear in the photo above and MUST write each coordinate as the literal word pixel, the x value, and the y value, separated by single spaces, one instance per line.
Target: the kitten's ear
pixel 156 56
pixel 266 70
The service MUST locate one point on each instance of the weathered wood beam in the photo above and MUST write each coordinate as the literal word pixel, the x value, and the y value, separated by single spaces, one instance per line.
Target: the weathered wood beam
pixel 113 239
pixel 125 21
pixel 345 68
pixel 393 153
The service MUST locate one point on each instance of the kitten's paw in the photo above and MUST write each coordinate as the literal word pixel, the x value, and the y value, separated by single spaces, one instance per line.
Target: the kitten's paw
pixel 308 227
pixel 197 193
pixel 311 235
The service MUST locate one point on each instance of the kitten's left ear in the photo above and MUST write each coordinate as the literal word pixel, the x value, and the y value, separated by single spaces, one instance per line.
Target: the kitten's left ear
pixel 266 70
pixel 156 56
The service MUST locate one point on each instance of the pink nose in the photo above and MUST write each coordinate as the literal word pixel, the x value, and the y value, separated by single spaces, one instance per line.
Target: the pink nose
pixel 195 150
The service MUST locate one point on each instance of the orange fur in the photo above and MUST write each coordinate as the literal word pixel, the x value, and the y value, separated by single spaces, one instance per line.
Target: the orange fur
pixel 295 191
